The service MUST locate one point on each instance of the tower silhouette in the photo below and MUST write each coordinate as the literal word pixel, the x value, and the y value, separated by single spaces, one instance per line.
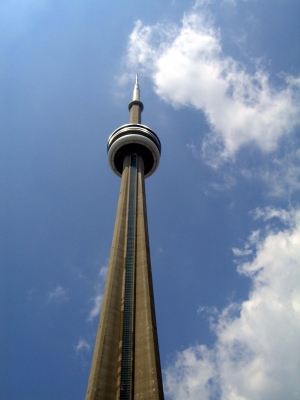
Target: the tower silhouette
pixel 126 362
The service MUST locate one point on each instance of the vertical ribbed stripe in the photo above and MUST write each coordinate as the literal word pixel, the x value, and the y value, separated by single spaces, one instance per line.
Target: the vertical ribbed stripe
pixel 128 316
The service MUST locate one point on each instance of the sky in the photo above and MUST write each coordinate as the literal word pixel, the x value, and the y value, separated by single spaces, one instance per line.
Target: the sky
pixel 220 83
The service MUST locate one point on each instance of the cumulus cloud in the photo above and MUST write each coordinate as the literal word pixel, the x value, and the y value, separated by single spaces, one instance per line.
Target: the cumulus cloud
pixel 188 67
pixel 58 294
pixel 256 354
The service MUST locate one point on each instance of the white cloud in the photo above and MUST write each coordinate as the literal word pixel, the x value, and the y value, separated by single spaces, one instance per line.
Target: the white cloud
pixel 82 345
pixel 97 300
pixel 268 213
pixel 257 352
pixel 194 150
pixel 239 252
pixel 189 68
pixel 81 348
pixel 103 273
pixel 283 177
pixel 95 311
pixel 189 377
pixel 58 294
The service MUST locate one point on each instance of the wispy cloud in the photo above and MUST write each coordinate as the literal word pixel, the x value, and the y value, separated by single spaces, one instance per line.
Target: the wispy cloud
pixel 95 311
pixel 82 345
pixel 256 353
pixel 188 67
pixel 283 176
pixel 97 299
pixel 81 349
pixel 268 213
pixel 58 294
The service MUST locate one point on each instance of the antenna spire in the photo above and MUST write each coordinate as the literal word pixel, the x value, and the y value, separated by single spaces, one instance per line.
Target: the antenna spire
pixel 135 106
pixel 136 90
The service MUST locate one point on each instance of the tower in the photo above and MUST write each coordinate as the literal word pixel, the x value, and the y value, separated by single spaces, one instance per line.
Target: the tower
pixel 126 362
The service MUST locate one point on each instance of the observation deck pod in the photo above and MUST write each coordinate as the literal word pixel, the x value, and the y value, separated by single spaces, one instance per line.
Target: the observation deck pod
pixel 133 138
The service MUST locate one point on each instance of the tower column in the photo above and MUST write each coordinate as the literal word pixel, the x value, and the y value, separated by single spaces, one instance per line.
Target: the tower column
pixel 126 364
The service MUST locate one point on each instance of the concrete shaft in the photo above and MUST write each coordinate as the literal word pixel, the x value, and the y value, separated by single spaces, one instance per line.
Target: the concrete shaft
pixel 104 382
pixel 135 114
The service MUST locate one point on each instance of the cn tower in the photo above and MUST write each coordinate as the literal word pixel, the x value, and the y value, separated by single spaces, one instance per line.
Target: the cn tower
pixel 126 362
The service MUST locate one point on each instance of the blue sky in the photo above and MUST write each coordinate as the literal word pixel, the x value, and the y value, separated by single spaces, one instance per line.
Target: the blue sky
pixel 220 82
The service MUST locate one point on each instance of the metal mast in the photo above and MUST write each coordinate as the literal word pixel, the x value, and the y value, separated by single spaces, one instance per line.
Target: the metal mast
pixel 126 362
